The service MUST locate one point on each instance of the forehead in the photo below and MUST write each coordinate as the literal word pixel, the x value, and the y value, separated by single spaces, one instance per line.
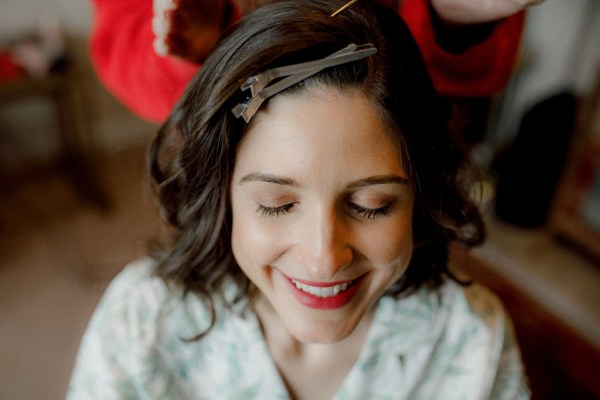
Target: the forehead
pixel 320 129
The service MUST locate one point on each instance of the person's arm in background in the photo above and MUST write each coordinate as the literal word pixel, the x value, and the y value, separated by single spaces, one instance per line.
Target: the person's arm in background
pixel 139 52
pixel 123 49
pixel 470 47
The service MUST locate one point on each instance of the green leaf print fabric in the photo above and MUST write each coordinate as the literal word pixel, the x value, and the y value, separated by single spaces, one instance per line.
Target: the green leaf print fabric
pixel 452 343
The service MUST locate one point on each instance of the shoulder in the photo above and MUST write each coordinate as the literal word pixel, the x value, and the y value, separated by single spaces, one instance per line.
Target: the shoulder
pixel 137 335
pixel 451 342
pixel 473 346
pixel 445 310
pixel 137 277
pixel 430 320
pixel 138 306
pixel 137 285
pixel 455 342
pixel 471 323
pixel 474 303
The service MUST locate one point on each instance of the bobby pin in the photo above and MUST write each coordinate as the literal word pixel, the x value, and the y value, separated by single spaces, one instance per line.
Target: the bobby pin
pixel 295 73
pixel 342 8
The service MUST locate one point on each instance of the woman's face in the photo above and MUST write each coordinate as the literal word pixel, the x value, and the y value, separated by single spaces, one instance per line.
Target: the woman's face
pixel 322 211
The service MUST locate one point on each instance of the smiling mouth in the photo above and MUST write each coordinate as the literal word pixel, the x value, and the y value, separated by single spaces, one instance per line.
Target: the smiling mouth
pixel 323 291
pixel 324 295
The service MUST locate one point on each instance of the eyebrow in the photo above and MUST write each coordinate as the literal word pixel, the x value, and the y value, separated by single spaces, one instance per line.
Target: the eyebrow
pixel 372 180
pixel 268 178
pixel 380 180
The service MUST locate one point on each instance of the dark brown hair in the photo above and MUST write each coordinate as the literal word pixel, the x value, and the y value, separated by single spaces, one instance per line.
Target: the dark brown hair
pixel 193 154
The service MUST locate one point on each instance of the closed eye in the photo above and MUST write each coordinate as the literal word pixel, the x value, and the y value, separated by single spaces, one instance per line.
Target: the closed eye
pixel 274 211
pixel 370 213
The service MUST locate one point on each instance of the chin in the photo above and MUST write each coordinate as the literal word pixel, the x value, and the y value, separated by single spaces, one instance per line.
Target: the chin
pixel 320 332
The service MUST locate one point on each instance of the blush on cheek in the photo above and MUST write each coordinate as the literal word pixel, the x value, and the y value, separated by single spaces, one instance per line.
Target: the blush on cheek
pixel 253 244
pixel 395 247
pixel 398 265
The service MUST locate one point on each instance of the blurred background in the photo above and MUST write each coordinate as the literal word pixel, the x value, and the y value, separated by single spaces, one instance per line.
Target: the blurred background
pixel 75 205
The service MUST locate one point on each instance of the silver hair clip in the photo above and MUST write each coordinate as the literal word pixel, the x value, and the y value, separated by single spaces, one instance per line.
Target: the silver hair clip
pixel 342 8
pixel 258 84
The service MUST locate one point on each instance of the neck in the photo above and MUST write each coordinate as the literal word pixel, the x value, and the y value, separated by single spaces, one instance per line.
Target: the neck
pixel 309 370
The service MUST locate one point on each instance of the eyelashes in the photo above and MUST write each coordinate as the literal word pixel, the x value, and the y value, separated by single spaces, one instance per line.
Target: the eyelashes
pixel 363 212
pixel 370 213
pixel 274 211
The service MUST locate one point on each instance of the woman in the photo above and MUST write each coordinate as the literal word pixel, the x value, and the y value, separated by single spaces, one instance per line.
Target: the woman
pixel 311 214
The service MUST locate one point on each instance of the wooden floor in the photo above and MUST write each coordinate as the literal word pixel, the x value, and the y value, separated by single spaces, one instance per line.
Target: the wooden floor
pixel 58 252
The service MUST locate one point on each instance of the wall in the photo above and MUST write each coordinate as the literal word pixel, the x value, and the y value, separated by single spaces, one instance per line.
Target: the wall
pixel 28 127
pixel 560 51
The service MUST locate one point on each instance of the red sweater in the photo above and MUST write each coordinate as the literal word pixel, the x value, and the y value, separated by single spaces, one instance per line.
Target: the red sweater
pixel 149 84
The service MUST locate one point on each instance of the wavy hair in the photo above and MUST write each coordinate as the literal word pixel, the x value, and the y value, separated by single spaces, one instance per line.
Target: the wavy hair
pixel 192 156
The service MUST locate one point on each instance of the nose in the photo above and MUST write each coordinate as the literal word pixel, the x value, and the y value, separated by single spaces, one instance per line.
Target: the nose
pixel 325 247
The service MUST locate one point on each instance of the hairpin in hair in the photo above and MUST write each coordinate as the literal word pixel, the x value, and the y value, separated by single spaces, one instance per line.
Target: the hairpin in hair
pixel 342 8
pixel 260 89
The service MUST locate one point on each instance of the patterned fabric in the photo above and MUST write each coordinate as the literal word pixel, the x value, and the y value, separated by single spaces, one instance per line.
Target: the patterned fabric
pixel 450 343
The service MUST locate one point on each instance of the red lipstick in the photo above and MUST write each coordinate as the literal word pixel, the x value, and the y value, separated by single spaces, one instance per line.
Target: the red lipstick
pixel 323 295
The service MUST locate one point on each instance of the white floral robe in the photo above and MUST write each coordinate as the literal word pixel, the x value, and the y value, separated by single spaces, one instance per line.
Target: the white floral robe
pixel 450 343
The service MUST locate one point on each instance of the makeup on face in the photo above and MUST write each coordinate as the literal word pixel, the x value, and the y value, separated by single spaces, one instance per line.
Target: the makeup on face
pixel 324 295
pixel 322 211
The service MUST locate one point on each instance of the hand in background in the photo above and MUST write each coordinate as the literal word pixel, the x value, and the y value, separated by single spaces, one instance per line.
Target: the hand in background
pixel 464 12
pixel 188 28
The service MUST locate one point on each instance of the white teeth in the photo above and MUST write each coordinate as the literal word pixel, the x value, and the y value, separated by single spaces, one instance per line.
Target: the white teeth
pixel 324 292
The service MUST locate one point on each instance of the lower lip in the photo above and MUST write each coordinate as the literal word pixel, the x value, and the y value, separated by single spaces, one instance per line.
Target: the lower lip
pixel 324 303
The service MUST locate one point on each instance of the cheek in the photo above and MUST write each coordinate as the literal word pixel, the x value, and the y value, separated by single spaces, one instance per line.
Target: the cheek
pixel 252 242
pixel 392 246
